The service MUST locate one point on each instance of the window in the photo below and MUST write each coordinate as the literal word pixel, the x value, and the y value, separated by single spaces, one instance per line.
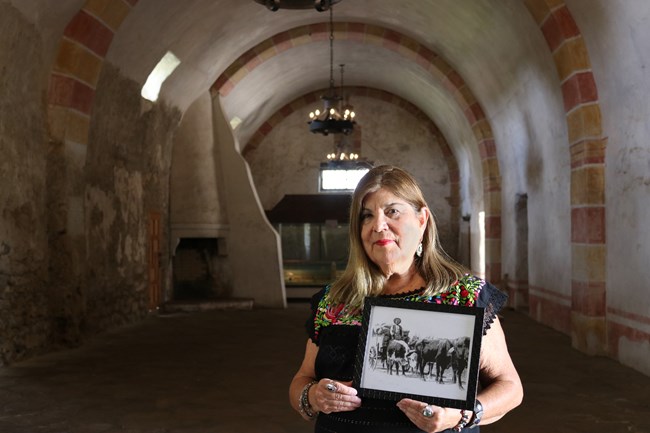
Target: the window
pixel 157 77
pixel 340 178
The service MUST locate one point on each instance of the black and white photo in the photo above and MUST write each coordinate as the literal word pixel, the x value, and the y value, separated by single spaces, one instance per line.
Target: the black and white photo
pixel 419 350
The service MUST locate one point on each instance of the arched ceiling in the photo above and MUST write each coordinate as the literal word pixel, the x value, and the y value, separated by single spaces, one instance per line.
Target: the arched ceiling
pixel 486 42
pixel 483 61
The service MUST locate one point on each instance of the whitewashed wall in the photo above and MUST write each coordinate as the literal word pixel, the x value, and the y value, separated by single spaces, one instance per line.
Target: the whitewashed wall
pixel 197 206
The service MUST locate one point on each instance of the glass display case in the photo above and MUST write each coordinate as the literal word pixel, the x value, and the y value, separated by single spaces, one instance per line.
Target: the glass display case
pixel 313 254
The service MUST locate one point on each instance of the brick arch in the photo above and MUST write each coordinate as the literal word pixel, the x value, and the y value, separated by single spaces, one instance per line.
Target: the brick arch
pixel 78 63
pixel 586 318
pixel 434 64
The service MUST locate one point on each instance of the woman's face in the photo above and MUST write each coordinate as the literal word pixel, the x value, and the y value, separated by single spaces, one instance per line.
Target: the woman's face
pixel 391 231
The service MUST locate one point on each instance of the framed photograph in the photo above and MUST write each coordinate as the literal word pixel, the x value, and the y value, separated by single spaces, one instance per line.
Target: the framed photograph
pixel 427 352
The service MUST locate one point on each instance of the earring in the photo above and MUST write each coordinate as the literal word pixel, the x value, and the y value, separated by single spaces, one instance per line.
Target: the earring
pixel 418 251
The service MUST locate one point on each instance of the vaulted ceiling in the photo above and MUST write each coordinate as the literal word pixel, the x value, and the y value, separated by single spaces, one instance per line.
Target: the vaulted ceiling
pixel 485 44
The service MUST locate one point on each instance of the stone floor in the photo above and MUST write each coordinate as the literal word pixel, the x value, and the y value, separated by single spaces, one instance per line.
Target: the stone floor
pixel 228 371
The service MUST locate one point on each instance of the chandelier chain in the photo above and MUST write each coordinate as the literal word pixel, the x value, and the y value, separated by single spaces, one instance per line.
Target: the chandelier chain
pixel 331 50
pixel 335 118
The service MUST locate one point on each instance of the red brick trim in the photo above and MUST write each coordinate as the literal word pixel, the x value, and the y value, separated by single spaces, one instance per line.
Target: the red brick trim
pixel 73 92
pixel 580 94
pixel 89 32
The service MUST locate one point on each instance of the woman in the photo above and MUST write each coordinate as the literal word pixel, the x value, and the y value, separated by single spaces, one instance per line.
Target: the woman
pixel 394 253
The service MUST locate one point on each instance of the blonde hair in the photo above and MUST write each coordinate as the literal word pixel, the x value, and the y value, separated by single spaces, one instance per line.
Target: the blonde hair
pixel 361 276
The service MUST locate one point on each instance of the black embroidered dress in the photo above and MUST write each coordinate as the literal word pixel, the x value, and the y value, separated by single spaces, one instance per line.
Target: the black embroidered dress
pixel 335 330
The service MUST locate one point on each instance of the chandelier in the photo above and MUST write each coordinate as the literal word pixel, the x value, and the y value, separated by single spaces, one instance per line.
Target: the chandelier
pixel 337 116
pixel 319 5
pixel 334 156
pixel 342 151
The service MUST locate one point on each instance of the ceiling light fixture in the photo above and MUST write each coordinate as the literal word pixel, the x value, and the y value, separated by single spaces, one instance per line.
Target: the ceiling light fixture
pixel 319 5
pixel 343 151
pixel 337 116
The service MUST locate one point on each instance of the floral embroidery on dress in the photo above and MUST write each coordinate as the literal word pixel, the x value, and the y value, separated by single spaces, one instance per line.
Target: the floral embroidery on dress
pixel 328 314
pixel 463 292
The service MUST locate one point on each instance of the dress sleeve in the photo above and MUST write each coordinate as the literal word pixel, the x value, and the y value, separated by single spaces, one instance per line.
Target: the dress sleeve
pixel 493 300
pixel 310 324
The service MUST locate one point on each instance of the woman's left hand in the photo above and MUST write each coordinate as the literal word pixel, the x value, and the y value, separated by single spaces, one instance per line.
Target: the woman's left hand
pixel 441 418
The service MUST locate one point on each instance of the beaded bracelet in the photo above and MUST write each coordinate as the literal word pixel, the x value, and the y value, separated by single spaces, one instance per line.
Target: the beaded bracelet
pixel 303 402
pixel 464 419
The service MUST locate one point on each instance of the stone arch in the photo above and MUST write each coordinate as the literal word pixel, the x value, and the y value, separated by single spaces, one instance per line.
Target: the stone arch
pixel 434 64
pixel 587 146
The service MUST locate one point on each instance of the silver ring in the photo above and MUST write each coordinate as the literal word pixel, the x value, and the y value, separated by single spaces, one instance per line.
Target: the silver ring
pixel 427 411
pixel 331 387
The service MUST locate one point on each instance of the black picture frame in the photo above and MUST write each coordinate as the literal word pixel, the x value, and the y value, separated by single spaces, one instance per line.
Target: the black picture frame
pixel 432 326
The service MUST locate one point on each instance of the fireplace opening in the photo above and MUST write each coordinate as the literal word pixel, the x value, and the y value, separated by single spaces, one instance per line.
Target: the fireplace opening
pixel 200 270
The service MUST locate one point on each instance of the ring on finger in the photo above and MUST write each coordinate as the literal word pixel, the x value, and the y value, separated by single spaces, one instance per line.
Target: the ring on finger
pixel 331 387
pixel 427 411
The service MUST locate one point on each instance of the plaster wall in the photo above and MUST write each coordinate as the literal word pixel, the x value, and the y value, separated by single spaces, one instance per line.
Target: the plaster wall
pixel 197 204
pixel 288 159
pixel 618 39
pixel 26 327
pixel 530 131
pixel 198 214
pixel 519 90
pixel 254 249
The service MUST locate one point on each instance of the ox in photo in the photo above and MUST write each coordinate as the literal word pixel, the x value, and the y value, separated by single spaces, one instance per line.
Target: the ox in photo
pixel 427 352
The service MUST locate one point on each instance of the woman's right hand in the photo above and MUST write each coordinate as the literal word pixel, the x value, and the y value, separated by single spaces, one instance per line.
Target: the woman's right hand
pixel 331 396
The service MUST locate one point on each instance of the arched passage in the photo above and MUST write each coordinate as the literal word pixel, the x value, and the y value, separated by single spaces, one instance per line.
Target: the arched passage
pixel 436 66
pixel 305 101
pixel 582 310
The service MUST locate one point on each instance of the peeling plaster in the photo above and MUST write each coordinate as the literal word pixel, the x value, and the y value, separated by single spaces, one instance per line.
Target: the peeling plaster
pixel 101 213
pixel 128 187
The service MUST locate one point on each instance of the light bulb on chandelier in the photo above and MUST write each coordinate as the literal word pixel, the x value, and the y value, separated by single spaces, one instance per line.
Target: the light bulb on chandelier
pixel 342 156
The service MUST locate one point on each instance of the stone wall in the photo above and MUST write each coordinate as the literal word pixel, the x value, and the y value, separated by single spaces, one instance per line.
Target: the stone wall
pixel 127 175
pixel 25 323
pixel 74 218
